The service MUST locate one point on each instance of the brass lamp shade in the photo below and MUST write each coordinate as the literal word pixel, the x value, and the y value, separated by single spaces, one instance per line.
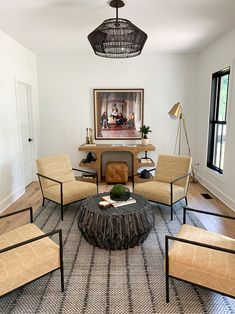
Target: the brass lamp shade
pixel 176 111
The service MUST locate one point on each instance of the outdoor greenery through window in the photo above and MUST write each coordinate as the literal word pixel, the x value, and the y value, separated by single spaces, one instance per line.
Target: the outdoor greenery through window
pixel 218 120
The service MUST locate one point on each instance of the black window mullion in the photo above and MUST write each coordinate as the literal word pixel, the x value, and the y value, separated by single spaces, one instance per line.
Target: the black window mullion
pixel 225 115
pixel 217 99
pixel 221 142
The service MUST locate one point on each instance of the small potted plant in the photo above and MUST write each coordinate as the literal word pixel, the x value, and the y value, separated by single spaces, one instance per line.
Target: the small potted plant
pixel 145 130
pixel 119 192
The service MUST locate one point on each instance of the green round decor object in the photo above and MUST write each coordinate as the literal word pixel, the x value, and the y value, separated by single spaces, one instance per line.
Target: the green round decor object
pixel 119 192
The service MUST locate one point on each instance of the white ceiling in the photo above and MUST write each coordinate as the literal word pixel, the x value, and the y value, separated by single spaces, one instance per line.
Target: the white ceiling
pixel 173 26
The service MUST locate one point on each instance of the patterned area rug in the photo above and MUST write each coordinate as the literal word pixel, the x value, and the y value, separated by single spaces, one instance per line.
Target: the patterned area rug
pixel 112 282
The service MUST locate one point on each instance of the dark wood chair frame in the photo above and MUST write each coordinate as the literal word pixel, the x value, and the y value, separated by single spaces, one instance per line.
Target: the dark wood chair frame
pixel 48 234
pixel 171 191
pixel 212 247
pixel 61 189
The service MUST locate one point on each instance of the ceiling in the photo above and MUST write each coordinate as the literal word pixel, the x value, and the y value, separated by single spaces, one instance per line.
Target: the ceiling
pixel 60 26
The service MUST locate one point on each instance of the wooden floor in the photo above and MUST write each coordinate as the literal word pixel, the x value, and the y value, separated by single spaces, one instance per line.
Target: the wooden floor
pixel 33 198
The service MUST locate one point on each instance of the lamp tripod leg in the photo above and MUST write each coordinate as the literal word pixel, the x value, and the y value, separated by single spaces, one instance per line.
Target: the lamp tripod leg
pixel 177 137
pixel 194 180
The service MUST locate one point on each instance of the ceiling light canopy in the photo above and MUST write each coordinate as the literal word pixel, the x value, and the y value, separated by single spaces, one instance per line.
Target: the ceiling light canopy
pixel 117 37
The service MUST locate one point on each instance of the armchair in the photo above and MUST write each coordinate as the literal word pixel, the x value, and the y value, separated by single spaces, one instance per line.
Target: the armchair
pixel 201 257
pixel 27 254
pixel 170 183
pixel 58 183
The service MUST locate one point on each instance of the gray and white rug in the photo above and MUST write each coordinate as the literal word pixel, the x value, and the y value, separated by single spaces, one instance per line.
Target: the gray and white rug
pixel 112 282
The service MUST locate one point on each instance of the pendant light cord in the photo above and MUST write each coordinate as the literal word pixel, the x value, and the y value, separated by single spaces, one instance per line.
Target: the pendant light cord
pixel 117 13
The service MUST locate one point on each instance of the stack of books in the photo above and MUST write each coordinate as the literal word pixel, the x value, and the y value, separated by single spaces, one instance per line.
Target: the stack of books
pixel 145 160
pixel 118 203
pixel 88 176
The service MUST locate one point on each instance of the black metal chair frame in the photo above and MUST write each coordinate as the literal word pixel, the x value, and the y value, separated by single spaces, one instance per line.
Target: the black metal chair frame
pixel 212 247
pixel 171 192
pixel 48 234
pixel 61 189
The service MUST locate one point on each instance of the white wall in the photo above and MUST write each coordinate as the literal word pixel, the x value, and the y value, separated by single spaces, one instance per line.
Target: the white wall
pixel 16 62
pixel 214 58
pixel 66 83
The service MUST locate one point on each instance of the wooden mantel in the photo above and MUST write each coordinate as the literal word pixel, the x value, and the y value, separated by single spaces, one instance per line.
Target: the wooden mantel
pixel 99 149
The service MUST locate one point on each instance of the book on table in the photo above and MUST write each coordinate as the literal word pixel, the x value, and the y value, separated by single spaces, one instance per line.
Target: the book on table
pixel 118 203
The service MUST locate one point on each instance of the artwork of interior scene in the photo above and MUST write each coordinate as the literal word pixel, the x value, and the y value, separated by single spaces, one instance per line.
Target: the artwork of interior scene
pixel 118 113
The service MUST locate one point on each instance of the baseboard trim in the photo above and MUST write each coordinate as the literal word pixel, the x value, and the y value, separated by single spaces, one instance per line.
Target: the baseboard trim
pixel 228 201
pixel 4 204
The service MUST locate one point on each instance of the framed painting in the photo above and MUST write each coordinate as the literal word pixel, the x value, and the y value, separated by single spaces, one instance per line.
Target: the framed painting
pixel 118 113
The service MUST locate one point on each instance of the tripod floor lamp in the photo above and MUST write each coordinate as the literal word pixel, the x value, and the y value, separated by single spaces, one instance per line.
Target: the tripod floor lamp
pixel 176 112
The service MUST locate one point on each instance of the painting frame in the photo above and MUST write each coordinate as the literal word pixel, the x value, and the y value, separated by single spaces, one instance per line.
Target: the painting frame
pixel 118 113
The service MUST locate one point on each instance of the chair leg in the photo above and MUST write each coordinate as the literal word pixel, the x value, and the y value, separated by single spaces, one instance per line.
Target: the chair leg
pixel 171 212
pixel 43 201
pixel 167 269
pixel 62 212
pixel 62 278
pixel 167 289
pixel 61 261
pixel 186 200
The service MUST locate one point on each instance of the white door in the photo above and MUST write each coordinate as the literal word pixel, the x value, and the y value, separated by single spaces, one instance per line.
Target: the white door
pixel 23 94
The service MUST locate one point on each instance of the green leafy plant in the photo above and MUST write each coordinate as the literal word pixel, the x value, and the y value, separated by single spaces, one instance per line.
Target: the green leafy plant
pixel 118 190
pixel 145 130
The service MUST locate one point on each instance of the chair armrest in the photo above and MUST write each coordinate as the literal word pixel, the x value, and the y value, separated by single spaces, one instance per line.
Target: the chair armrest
pixel 179 178
pixel 45 177
pixel 186 208
pixel 20 211
pixel 85 171
pixel 92 173
pixel 208 246
pixel 12 247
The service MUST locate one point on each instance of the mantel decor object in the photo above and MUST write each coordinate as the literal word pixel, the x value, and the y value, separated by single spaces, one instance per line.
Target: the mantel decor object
pixel 89 136
pixel 117 37
pixel 144 130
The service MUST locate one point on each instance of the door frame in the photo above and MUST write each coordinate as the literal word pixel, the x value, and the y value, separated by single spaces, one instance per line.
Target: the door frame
pixel 31 123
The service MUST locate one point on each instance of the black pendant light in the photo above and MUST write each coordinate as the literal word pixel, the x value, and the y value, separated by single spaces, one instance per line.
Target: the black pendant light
pixel 117 37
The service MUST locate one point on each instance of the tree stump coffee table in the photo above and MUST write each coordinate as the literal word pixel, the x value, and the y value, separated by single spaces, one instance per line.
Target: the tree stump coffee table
pixel 115 228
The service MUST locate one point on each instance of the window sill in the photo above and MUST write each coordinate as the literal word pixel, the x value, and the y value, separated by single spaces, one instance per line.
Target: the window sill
pixel 215 174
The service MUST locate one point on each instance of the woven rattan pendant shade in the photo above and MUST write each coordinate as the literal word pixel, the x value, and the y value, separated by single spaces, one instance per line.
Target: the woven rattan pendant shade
pixel 117 38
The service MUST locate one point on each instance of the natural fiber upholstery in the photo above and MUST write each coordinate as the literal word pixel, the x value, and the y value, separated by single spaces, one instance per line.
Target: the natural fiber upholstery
pixel 203 266
pixel 59 168
pixel 27 253
pixel 26 263
pixel 201 257
pixel 73 191
pixel 56 167
pixel 169 168
pixel 160 192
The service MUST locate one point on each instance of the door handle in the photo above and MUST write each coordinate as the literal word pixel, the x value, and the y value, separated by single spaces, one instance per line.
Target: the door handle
pixel 30 139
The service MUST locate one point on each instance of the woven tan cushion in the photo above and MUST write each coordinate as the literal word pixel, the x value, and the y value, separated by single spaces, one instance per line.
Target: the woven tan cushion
pixel 159 191
pixel 72 191
pixel 56 167
pixel 203 266
pixel 116 171
pixel 170 167
pixel 27 262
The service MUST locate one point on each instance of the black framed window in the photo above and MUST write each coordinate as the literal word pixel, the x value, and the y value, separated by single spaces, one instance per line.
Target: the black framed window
pixel 218 120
